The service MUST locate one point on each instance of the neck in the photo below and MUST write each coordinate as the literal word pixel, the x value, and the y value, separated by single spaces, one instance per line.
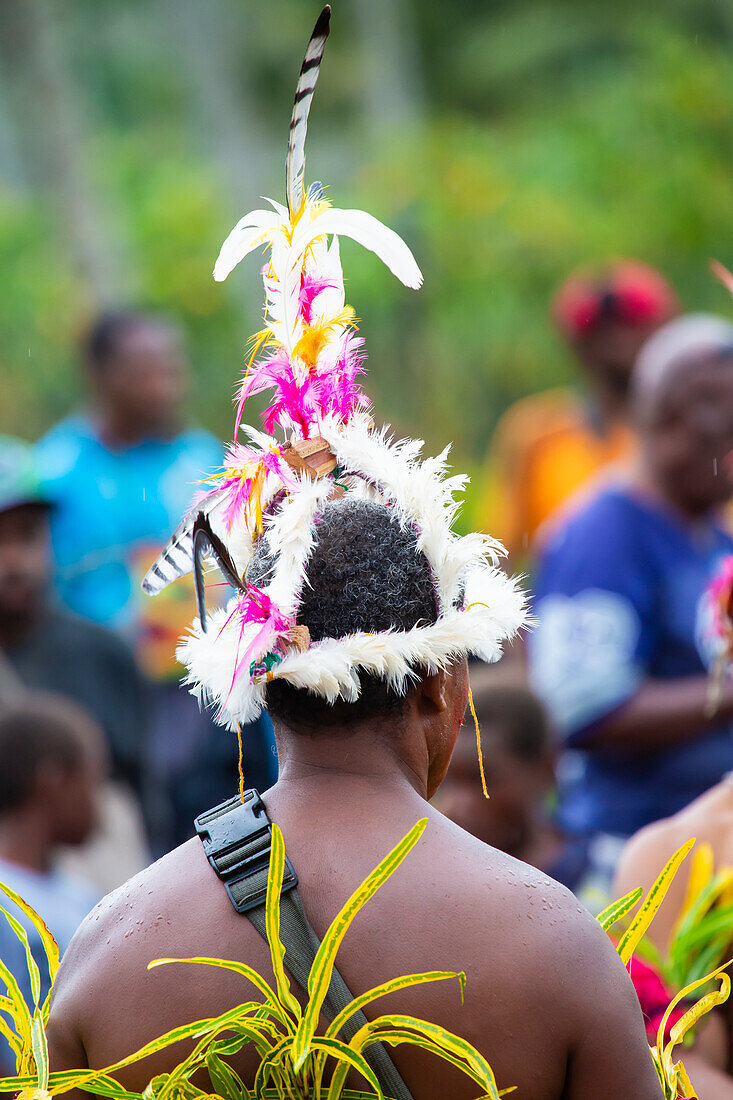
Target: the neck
pixel 384 759
pixel 16 628
pixel 115 431
pixel 24 839
pixel 643 479
pixel 613 408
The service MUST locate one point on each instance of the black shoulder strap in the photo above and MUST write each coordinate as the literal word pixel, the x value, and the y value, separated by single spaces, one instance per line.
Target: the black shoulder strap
pixel 236 837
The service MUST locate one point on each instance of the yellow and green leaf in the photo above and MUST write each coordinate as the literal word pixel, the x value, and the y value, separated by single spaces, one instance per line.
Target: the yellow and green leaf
pixel 238 968
pixel 50 946
pixel 272 923
pixel 613 913
pixel 657 893
pixel 405 982
pixel 473 1062
pixel 320 975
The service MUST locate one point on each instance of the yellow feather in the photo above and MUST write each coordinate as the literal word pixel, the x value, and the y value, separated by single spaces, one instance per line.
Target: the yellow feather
pixel 316 337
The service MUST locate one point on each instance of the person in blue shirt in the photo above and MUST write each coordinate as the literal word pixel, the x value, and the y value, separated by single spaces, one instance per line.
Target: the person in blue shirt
pixel 120 474
pixel 624 641
pixel 124 470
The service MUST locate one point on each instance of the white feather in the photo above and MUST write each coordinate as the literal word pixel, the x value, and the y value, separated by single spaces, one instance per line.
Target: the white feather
pixel 495 610
pixel 282 291
pixel 330 302
pixel 366 231
pixel 290 534
pixel 258 438
pixel 251 231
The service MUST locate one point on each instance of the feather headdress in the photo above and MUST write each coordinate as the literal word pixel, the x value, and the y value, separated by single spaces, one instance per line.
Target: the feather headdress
pixel 318 432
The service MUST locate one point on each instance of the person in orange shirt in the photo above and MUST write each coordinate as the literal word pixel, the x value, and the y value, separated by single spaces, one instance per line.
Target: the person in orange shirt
pixel 549 445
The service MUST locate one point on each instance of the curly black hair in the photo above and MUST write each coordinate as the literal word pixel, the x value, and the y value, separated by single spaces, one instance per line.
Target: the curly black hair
pixel 365 573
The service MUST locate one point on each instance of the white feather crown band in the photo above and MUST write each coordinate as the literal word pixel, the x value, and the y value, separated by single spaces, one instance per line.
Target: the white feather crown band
pixel 309 355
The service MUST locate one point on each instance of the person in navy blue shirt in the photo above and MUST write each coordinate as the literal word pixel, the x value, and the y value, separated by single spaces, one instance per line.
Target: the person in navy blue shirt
pixel 624 643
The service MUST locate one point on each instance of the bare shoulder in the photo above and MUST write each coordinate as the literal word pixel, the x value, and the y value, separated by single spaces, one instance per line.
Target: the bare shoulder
pixel 507 902
pixel 117 933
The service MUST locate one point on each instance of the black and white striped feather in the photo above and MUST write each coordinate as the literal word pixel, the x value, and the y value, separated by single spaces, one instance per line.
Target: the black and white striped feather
pixel 206 544
pixel 176 559
pixel 295 163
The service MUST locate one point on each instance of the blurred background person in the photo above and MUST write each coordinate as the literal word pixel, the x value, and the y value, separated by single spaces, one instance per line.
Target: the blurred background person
pixel 624 639
pixel 519 754
pixel 550 445
pixel 52 759
pixel 42 645
pixel 120 474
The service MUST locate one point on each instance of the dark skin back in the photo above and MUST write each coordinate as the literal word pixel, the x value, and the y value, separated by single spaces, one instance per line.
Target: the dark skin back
pixel 547 1000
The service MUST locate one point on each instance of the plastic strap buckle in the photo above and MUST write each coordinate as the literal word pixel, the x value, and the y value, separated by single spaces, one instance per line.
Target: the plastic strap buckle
pixel 237 837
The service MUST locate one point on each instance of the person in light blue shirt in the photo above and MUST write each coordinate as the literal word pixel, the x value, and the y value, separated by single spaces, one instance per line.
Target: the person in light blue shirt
pixel 122 472
pixel 120 475
pixel 624 642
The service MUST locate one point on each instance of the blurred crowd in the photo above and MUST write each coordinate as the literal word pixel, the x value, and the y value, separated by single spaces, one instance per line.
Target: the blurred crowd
pixel 105 758
pixel 613 496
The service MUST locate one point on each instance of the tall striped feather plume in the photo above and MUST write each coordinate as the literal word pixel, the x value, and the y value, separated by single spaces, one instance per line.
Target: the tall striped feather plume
pixel 306 86
pixel 305 354
pixel 310 357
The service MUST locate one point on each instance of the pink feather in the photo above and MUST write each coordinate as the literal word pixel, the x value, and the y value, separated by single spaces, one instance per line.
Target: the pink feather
pixel 719 592
pixel 310 287
pixel 303 401
pixel 255 606
pixel 339 393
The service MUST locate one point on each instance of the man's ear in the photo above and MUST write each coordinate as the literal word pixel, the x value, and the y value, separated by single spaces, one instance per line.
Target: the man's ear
pixel 432 693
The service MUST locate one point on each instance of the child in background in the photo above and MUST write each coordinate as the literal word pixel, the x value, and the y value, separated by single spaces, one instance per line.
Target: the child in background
pixel 51 764
pixel 519 766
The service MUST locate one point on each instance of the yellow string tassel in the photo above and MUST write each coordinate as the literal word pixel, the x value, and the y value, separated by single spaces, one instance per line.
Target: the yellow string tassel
pixel 241 769
pixel 478 743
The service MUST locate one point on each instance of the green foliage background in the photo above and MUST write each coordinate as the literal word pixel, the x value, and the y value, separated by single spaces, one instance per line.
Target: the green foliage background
pixel 506 141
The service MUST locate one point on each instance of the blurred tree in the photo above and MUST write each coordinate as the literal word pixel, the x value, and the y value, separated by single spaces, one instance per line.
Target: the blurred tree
pixel 507 143
pixel 50 136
